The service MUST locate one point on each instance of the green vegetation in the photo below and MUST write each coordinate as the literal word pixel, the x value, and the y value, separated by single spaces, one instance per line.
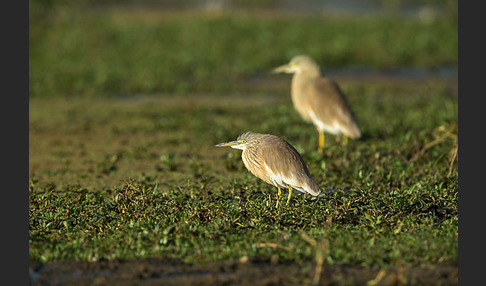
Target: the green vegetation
pixel 105 52
pixel 118 177
pixel 141 178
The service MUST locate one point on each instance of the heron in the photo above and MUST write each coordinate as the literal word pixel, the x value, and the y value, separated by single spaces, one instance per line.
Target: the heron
pixel 276 162
pixel 320 100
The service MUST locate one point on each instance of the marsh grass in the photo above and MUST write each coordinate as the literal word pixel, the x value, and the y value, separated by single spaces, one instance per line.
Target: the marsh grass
pixel 120 179
pixel 89 51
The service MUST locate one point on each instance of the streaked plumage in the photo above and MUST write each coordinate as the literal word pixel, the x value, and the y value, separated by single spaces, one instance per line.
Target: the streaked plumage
pixel 319 100
pixel 275 161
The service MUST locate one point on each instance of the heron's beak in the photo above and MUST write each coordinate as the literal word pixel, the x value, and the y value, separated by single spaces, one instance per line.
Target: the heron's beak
pixel 283 69
pixel 227 144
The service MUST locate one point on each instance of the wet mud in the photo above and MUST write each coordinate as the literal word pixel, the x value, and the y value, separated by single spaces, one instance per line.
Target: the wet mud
pixel 243 272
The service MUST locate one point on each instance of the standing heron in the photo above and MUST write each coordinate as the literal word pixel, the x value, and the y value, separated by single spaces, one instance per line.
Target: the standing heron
pixel 319 100
pixel 275 161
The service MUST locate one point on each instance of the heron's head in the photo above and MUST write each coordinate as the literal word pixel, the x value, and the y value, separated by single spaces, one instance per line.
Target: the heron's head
pixel 298 64
pixel 242 142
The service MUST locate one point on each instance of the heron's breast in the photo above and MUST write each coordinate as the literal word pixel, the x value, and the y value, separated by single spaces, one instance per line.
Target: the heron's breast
pixel 254 164
pixel 300 98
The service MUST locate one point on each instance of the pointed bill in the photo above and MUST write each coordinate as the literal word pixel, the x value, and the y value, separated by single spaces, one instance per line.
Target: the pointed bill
pixel 282 69
pixel 227 144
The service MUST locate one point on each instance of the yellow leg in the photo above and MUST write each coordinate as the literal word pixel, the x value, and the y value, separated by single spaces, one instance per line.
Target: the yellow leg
pixel 345 140
pixel 279 195
pixel 321 141
pixel 290 194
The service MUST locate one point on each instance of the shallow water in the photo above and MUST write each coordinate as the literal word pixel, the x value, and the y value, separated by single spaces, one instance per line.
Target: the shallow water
pixel 425 11
pixel 446 72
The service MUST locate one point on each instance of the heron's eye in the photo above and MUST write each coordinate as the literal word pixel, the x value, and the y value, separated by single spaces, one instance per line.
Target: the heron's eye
pixel 242 141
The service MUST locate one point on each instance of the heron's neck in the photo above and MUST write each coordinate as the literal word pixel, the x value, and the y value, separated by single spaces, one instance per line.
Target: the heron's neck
pixel 304 77
pixel 301 79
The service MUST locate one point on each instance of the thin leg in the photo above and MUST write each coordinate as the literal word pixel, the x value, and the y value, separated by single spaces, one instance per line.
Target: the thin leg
pixel 321 141
pixel 279 195
pixel 345 140
pixel 290 194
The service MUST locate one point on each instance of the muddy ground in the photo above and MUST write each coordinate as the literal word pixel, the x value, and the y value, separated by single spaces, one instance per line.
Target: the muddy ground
pixel 243 272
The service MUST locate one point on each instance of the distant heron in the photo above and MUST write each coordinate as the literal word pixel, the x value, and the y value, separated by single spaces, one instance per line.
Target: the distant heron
pixel 275 161
pixel 320 100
